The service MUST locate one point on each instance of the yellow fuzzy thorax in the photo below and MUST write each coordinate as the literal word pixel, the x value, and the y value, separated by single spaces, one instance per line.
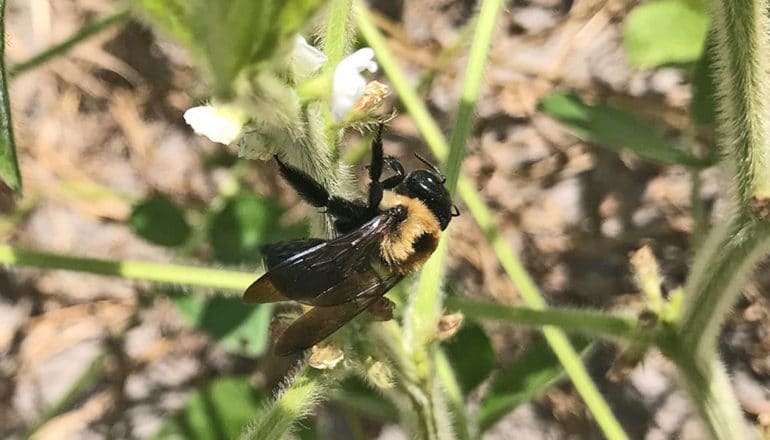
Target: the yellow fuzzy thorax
pixel 397 248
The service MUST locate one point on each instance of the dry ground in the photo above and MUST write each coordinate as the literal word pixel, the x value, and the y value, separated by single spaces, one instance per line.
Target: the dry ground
pixel 101 127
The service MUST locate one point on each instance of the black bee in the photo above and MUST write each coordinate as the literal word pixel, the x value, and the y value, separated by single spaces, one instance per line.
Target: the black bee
pixel 380 241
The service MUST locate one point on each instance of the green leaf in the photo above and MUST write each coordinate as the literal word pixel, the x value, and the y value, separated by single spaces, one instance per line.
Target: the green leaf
pixel 9 166
pixel 295 13
pixel 241 329
pixel 615 129
pixel 471 354
pixel 229 36
pixel 159 221
pixel 217 410
pixel 245 222
pixel 230 33
pixel 172 16
pixel 536 370
pixel 665 31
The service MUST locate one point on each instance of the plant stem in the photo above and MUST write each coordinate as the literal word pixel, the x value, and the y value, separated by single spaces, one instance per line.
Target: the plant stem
pixel 448 381
pixel 137 270
pixel 429 130
pixel 708 384
pixel 425 309
pixel 742 51
pixel 336 44
pixel 532 297
pixel 9 165
pixel 721 266
pixel 91 374
pixel 580 321
pixel 337 38
pixel 58 49
pixel 303 391
pixel 529 291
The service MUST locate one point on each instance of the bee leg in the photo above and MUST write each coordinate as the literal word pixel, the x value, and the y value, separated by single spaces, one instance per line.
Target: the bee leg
pixel 398 173
pixel 349 214
pixel 375 172
pixel 307 188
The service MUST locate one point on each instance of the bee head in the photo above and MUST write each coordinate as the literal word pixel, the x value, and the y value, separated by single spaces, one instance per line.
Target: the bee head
pixel 429 188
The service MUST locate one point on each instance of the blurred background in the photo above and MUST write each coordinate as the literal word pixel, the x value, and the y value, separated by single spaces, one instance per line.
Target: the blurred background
pixel 582 104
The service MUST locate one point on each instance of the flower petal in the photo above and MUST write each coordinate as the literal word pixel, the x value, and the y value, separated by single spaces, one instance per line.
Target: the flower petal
pixel 306 59
pixel 348 84
pixel 222 124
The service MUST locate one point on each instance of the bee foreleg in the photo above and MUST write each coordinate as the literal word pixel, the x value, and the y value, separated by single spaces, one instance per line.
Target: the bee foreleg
pixel 398 173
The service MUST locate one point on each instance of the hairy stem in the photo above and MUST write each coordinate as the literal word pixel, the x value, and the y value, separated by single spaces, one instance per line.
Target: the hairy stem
pixel 742 51
pixel 301 393
pixel 336 45
pixel 725 260
pixel 706 381
pixel 454 395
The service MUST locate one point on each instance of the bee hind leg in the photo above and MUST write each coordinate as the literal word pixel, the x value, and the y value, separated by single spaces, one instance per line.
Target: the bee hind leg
pixel 348 214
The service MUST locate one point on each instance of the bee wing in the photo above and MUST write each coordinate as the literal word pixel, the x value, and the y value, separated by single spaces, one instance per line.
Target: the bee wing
pixel 318 323
pixel 277 253
pixel 330 272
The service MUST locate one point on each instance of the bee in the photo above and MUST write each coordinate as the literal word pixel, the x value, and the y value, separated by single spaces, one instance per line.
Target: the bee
pixel 381 240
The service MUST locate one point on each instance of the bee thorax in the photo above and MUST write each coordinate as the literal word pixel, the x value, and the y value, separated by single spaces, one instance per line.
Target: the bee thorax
pixel 415 238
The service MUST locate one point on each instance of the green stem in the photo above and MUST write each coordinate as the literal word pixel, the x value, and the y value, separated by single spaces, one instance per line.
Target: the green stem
pixel 708 384
pixel 529 291
pixel 699 220
pixel 414 105
pixel 580 321
pixel 426 306
pixel 9 165
pixel 336 45
pixel 452 391
pixel 305 390
pixel 447 56
pixel 337 39
pixel 94 371
pixel 64 46
pixel 532 297
pixel 721 266
pixel 137 270
pixel 742 51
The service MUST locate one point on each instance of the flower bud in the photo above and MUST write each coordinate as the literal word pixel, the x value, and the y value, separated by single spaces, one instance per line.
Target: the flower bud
pixel 380 374
pixel 325 356
pixel 448 326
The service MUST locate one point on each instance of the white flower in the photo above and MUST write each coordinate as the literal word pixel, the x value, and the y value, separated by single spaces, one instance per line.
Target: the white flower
pixel 306 59
pixel 220 123
pixel 348 84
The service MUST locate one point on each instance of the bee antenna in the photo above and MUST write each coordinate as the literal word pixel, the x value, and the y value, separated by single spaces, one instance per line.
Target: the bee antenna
pixel 434 168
